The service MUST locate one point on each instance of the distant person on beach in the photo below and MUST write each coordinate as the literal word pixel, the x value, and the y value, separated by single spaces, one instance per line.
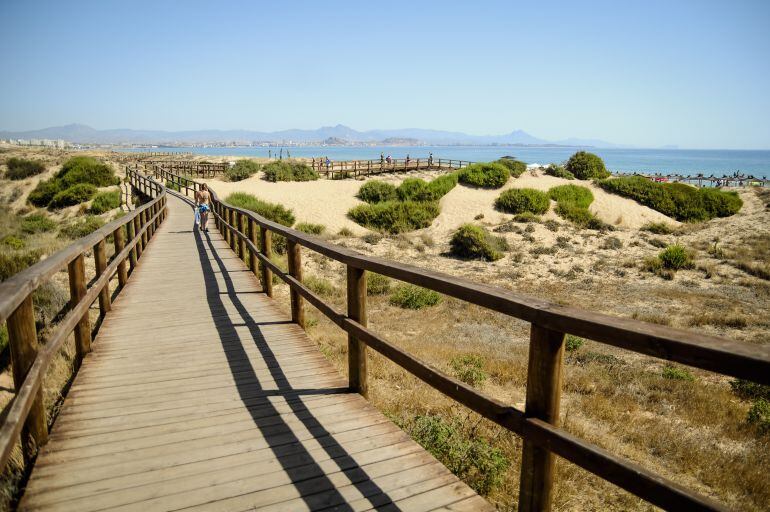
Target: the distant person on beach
pixel 430 159
pixel 203 199
pixel 328 162
pixel 407 159
pixel 382 159
pixel 389 160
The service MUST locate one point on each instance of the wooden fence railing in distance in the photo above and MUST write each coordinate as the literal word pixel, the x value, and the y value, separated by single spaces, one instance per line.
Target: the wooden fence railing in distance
pixel 359 168
pixel 26 416
pixel 538 423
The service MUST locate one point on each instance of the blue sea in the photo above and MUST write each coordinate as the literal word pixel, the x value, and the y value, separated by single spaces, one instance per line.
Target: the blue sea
pixel 671 161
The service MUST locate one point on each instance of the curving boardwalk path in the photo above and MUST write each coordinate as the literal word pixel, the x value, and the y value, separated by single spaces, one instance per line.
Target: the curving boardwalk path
pixel 200 394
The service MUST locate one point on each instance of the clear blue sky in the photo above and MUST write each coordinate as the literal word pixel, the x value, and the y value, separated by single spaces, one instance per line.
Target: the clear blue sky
pixel 648 73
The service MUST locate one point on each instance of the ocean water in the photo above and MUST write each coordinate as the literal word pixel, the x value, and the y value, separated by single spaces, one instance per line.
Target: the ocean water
pixel 679 161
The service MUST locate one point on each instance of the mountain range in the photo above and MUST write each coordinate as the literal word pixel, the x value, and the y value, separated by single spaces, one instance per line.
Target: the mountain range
pixel 83 134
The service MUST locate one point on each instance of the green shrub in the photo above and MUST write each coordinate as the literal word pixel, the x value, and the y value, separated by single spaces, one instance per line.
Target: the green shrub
pixel 469 368
pixel 580 196
pixel 675 257
pixel 441 186
pixel 105 201
pixel 80 228
pixel 312 229
pixel 14 242
pixel 377 284
pixel 37 223
pixel 491 175
pixel 408 296
pixel 319 285
pixel 20 168
pixel 345 232
pixel 515 167
pixel 42 194
pixel 580 216
pixel 586 166
pixel 414 189
pixel 559 172
pixel 173 186
pixel 520 200
pixel 241 170
pixel 287 170
pixel 85 169
pixel 476 242
pixel 13 262
pixel 659 228
pixel 678 200
pixel 272 211
pixel 676 373
pixel 573 342
pixel 474 460
pixel 395 216
pixel 750 390
pixel 759 415
pixel 73 195
pixel 527 218
pixel 375 191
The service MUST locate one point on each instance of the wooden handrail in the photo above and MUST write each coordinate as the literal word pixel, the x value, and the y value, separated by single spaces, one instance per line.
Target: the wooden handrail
pixel 538 424
pixel 16 308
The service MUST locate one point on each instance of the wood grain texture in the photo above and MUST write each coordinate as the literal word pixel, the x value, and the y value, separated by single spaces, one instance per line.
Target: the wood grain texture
pixel 215 400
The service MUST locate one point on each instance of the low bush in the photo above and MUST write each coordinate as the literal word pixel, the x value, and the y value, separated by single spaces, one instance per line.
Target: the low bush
pixel 520 200
pixel 573 342
pixel 377 284
pixel 12 241
pixel 677 200
pixel 85 169
pixel 473 459
pixel 586 166
pixel 675 257
pixel 759 415
pixel 80 228
pixel 13 262
pixel 469 368
pixel 105 201
pixel 21 168
pixel 409 296
pixel 319 285
pixel 73 195
pixel 288 170
pixel 580 196
pixel 414 189
pixel 375 191
pixel 272 211
pixel 241 170
pixel 309 228
pixel 659 228
pixel 527 218
pixel 475 242
pixel 441 186
pixel 559 171
pixel 345 232
pixel 750 390
pixel 491 175
pixel 173 186
pixel 676 373
pixel 37 223
pixel 42 194
pixel 395 216
pixel 515 167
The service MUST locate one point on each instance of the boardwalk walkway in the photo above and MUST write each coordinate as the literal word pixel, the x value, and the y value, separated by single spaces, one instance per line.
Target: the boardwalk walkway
pixel 200 394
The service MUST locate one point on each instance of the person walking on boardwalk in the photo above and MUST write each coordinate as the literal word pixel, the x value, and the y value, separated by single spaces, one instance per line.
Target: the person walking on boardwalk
pixel 203 200
pixel 430 160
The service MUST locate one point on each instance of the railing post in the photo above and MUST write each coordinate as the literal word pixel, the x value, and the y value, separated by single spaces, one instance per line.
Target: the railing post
pixel 77 275
pixel 244 231
pixel 100 262
pixel 266 246
pixel 546 351
pixel 295 270
pixel 120 243
pixel 253 238
pixel 233 238
pixel 22 337
pixel 131 234
pixel 357 374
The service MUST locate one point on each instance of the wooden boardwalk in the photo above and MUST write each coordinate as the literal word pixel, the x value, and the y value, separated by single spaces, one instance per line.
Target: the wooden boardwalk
pixel 201 394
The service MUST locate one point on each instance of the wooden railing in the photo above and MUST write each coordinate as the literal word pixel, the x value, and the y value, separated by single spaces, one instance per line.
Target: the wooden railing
pixel 356 168
pixel 26 415
pixel 250 235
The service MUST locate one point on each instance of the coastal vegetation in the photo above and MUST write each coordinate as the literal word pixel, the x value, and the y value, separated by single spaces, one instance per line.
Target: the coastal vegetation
pixel 289 170
pixel 678 200
pixel 515 167
pixel 242 170
pixel 558 171
pixel 22 168
pixel 395 216
pixel 272 211
pixel 310 228
pixel 572 202
pixel 485 175
pixel 523 200
pixel 104 202
pixel 75 183
pixel 409 296
pixel 376 191
pixel 476 242
pixel 586 166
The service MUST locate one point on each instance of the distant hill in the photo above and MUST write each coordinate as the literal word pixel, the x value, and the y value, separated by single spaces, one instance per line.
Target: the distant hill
pixel 83 134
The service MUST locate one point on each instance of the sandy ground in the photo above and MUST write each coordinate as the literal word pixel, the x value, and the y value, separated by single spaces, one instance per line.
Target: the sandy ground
pixel 327 202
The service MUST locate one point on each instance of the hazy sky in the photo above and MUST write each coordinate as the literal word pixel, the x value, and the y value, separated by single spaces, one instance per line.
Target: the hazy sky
pixel 648 73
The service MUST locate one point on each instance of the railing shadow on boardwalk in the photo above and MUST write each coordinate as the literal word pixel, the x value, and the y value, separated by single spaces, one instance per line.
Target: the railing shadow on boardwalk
pixel 305 474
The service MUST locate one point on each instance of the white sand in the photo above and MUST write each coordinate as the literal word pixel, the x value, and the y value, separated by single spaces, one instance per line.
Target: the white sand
pixel 328 201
